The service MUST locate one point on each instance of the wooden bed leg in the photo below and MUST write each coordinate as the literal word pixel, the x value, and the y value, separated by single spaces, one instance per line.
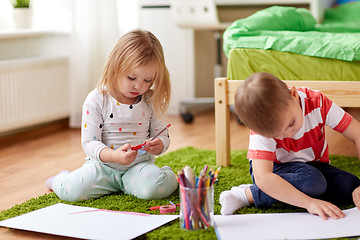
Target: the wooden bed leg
pixel 222 124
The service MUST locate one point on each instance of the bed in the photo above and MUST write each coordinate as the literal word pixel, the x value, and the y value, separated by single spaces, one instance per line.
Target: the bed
pixel 288 43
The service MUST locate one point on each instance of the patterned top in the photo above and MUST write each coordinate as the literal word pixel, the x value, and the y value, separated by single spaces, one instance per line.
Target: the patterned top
pixel 309 143
pixel 109 123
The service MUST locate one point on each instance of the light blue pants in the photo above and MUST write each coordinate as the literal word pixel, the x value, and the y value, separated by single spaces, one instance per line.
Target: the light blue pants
pixel 94 179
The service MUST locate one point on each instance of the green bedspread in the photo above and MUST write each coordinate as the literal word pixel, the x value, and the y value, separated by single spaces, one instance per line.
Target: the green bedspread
pixel 295 30
pixel 344 18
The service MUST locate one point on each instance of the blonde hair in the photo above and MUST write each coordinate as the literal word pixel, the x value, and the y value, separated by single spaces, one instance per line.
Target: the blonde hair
pixel 135 49
pixel 260 102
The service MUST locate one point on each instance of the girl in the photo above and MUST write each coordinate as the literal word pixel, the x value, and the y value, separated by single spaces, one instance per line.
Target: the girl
pixel 123 112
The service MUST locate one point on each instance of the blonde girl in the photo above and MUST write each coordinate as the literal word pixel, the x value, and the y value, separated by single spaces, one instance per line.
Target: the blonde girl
pixel 123 111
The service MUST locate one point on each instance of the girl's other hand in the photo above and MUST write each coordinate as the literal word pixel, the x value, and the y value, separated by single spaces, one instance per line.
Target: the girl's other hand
pixel 124 155
pixel 154 147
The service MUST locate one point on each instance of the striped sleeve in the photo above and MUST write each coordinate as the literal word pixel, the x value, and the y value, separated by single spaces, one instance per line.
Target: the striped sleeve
pixel 337 118
pixel 261 148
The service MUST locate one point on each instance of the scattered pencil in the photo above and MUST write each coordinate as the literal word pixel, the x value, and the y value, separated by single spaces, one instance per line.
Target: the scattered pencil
pixel 158 207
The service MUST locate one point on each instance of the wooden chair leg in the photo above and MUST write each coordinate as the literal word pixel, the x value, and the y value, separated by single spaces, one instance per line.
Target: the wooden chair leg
pixel 222 124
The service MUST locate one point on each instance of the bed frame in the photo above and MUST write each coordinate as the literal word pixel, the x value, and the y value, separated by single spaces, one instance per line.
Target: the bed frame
pixel 344 93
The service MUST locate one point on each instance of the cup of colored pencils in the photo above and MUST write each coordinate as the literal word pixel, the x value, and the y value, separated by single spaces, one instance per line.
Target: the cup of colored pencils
pixel 197 198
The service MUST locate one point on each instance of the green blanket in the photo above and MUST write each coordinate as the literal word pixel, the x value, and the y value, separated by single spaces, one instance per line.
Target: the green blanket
pixel 344 18
pixel 295 30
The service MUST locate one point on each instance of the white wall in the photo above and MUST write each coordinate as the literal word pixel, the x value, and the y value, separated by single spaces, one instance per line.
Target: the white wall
pixel 48 14
pixel 128 14
pixel 5 14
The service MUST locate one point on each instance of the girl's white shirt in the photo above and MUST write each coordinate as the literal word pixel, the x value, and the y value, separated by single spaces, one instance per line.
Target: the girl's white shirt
pixel 109 123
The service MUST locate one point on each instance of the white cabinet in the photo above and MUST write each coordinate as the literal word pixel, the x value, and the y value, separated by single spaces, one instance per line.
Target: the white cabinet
pixel 178 45
pixel 316 7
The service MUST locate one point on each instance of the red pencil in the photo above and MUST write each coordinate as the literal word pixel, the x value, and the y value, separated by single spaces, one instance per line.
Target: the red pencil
pixel 157 207
pixel 153 208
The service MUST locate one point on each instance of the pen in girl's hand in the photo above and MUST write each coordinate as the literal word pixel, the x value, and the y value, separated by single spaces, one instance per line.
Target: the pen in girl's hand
pixel 160 132
pixel 141 146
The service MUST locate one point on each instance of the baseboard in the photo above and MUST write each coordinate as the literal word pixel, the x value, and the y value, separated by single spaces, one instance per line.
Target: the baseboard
pixel 11 137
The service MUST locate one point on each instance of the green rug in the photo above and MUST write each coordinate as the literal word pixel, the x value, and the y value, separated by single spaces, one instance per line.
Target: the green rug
pixel 236 174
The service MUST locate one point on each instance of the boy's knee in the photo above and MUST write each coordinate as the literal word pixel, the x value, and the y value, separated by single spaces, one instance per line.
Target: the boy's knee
pixel 315 185
pixel 345 185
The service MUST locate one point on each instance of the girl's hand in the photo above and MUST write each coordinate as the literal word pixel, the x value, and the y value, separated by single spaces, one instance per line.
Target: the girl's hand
pixel 356 197
pixel 324 209
pixel 154 147
pixel 124 155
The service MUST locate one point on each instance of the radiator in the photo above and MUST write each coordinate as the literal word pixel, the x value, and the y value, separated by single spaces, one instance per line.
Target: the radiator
pixel 33 91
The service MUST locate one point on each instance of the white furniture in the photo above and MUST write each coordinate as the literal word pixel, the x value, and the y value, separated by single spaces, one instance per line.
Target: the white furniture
pixel 178 45
pixel 199 15
pixel 196 14
pixel 203 14
pixel 316 7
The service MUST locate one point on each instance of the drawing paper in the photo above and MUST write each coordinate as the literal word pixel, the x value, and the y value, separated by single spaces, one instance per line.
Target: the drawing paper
pixel 286 226
pixel 87 223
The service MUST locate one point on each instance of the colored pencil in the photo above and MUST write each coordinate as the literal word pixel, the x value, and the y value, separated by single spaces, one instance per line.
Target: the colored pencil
pixel 196 206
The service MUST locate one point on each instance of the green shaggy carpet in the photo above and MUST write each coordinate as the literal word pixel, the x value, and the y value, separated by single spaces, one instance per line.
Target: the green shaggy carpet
pixel 236 174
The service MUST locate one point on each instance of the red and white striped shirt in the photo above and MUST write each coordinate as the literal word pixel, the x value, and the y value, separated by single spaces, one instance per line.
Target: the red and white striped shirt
pixel 309 143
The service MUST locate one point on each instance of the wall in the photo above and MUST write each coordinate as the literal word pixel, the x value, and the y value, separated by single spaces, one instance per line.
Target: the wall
pixel 34 65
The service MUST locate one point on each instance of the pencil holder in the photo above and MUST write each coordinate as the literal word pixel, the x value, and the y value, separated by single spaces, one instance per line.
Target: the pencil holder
pixel 196 207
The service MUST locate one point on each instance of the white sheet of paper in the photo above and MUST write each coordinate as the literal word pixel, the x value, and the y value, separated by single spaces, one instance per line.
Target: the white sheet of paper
pixel 286 226
pixel 88 223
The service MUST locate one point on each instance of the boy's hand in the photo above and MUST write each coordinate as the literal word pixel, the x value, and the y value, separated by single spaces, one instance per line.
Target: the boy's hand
pixel 324 209
pixel 356 197
pixel 154 147
pixel 124 155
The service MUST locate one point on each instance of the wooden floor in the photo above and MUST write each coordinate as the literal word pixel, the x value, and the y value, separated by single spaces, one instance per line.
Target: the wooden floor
pixel 25 165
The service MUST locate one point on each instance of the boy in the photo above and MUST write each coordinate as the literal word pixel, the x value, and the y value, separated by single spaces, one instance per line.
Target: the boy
pixel 288 153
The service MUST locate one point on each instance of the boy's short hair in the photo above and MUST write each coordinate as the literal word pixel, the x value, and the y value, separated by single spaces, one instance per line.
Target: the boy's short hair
pixel 260 102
